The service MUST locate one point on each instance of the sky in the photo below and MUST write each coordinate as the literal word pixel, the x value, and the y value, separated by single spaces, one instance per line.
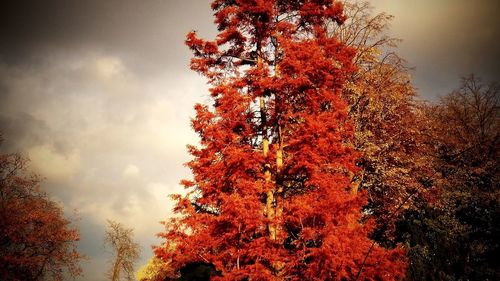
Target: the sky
pixel 98 94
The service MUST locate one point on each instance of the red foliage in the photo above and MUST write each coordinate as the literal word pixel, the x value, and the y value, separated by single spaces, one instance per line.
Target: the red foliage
pixel 36 241
pixel 272 196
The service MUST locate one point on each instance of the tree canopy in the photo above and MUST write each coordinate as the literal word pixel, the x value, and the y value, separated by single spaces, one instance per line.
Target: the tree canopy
pixel 36 241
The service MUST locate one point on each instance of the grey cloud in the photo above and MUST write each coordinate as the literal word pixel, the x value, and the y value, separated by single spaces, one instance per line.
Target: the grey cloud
pixel 447 39
pixel 147 34
pixel 20 131
pixel 91 245
pixel 90 88
pixel 83 120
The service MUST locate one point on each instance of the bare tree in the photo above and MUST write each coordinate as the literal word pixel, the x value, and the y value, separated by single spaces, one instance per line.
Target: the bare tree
pixel 472 113
pixel 125 250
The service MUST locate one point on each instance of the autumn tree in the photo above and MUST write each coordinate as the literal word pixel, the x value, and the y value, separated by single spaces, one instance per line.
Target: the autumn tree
pixel 36 241
pixel 154 270
pixel 388 120
pixel 125 250
pixel 272 197
pixel 457 237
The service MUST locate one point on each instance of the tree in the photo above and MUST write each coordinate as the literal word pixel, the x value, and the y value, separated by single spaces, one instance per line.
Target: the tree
pixel 155 270
pixel 36 241
pixel 388 120
pixel 457 237
pixel 272 196
pixel 125 250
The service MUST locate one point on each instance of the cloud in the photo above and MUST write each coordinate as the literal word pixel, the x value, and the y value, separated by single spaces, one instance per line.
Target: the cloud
pixel 445 40
pixel 131 172
pixel 16 138
pixel 99 95
pixel 108 67
pixel 109 142
pixel 49 163
pixel 147 34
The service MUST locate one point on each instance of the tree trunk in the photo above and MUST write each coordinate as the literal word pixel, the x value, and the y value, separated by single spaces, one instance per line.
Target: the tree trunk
pixel 116 268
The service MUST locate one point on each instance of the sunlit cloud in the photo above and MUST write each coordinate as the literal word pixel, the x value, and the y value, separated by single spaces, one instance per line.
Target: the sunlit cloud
pixel 108 67
pixel 52 164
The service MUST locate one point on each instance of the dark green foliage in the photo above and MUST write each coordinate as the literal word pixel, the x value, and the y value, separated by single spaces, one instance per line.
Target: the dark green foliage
pixel 456 237
pixel 198 271
pixel 443 248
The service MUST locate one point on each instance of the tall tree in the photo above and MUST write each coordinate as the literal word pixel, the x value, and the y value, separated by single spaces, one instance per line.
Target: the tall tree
pixel 387 118
pixel 125 250
pixel 272 196
pixel 36 241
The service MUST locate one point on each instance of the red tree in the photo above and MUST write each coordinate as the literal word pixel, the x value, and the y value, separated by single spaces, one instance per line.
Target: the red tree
pixel 272 197
pixel 36 241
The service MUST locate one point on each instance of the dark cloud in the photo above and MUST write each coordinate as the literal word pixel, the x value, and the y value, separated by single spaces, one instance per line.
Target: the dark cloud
pixel 444 39
pixel 21 131
pixel 148 34
pixel 447 39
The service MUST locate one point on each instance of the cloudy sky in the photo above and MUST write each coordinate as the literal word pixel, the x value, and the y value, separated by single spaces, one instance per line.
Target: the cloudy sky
pixel 98 94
